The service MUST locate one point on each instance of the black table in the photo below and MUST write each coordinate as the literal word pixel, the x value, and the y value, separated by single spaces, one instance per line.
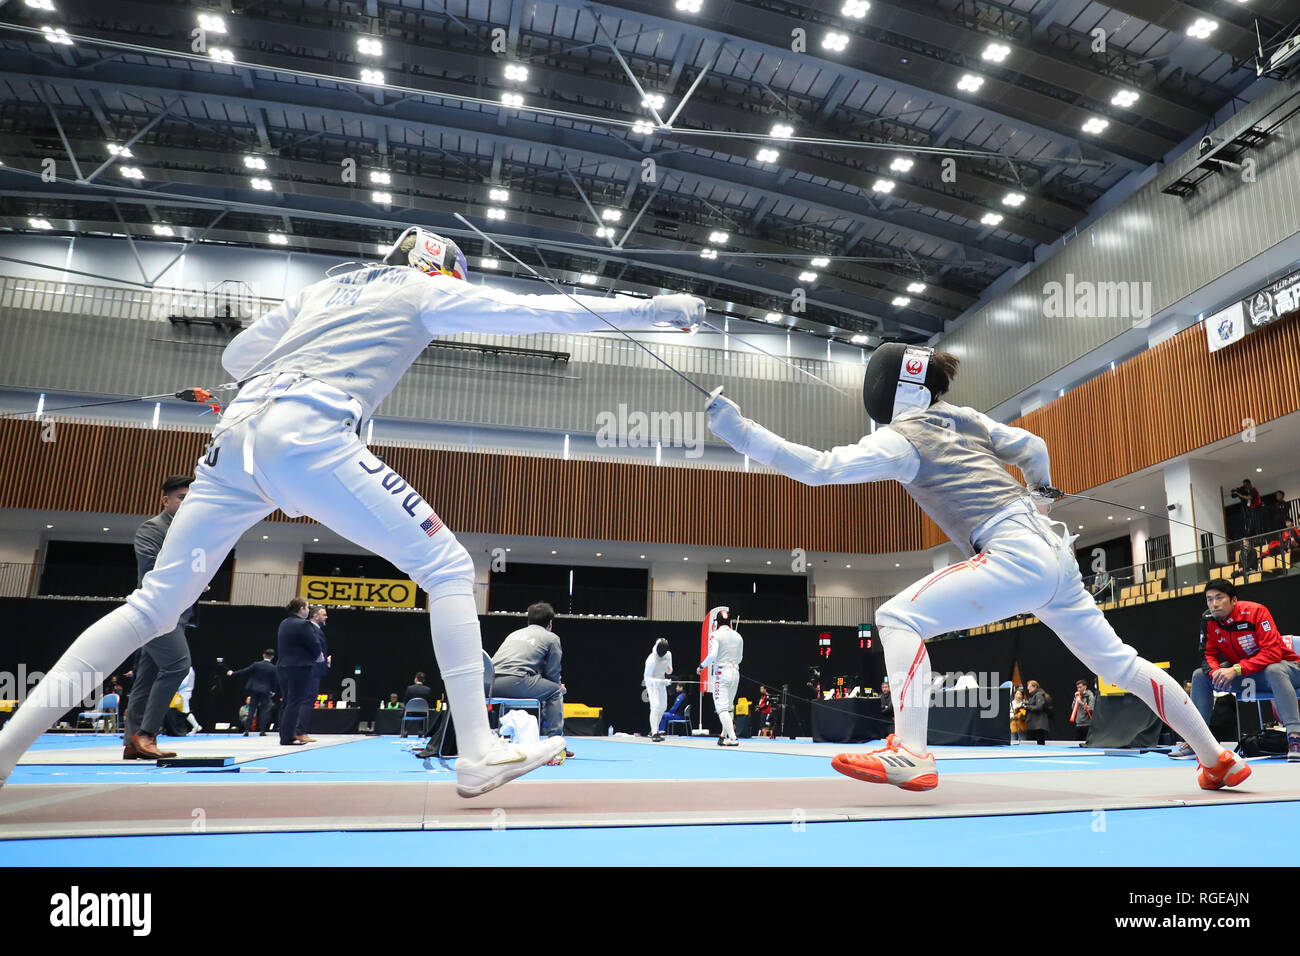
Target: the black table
pixel 335 720
pixel 956 719
pixel 1122 720
pixel 388 720
pixel 849 720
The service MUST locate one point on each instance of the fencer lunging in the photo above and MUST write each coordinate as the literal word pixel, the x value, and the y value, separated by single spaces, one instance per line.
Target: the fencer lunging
pixel 726 649
pixel 312 371
pixel 951 460
pixel 657 668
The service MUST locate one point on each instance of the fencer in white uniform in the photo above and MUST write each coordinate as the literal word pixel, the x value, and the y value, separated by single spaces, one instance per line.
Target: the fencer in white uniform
pixel 657 668
pixel 951 460
pixel 186 691
pixel 312 370
pixel 726 649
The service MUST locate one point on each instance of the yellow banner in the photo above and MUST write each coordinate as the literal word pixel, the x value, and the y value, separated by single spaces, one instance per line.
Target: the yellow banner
pixel 1111 690
pixel 359 592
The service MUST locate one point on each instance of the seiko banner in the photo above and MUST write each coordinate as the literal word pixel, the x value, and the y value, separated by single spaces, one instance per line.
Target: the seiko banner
pixel 358 592
pixel 1269 304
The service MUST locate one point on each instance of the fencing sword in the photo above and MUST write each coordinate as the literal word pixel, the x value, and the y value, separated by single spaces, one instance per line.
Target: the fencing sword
pixel 797 368
pixel 197 394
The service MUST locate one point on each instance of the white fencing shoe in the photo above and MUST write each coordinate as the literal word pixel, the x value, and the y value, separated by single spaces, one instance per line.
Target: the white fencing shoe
pixel 503 763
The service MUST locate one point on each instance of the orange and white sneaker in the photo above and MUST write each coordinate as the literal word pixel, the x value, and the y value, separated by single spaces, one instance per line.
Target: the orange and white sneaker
pixel 892 763
pixel 1228 772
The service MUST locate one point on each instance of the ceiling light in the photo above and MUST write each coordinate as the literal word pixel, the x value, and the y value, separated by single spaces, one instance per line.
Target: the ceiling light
pixel 587 278
pixel 1142 507
pixel 495 213
pixel 728 561
pixel 384 199
pixel 883 185
pixel 512 99
pixel 916 287
pixel 901 300
pixel 859 339
pixel 499 195
pixel 991 218
pixel 686 559
pixel 123 151
pixel 1095 125
pixel 719 238
pixel 383 250
pixel 48 527
pixel 643 557
pixel 855 8
pixel 1202 28
pixel 772 317
pixel 213 24
pixel 1124 99
pixel 41 5
pixel 821 262
pixel 1014 200
pixel 970 83
pixel 782 131
pixel 598 554
pixel 516 72
pixel 654 101
pixel 611 215
pixel 995 52
pixel 1110 517
pixel 835 42
pixel 105 529
pixel 552 552
pixel 643 127
pixel 767 155
pixel 254 162
pixel 489 264
pixel 689 6
pixel 769 562
pixel 901 164
pixel 221 55
pixel 1259 469
pixel 381 178
pixel 57 35
pixel 278 239
pixel 131 172
pixel 161 230
pixel 807 277
pixel 262 184
pixel 604 232
pixel 373 77
pixel 369 46
pixel 316 539
pixel 707 253
pixel 39 223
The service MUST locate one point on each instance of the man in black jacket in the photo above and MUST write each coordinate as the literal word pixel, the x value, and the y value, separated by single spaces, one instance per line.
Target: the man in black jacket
pixel 163 662
pixel 317 615
pixel 260 686
pixel 297 647
pixel 418 689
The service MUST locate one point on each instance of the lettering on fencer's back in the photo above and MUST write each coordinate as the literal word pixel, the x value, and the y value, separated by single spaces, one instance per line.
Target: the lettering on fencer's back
pixel 961 482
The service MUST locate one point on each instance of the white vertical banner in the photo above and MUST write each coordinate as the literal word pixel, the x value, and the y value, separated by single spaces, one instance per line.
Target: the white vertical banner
pixel 1224 328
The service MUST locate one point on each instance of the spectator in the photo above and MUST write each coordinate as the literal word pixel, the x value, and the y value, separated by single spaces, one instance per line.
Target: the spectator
pixel 297 647
pixel 1019 715
pixel 393 701
pixel 1251 506
pixel 261 684
pixel 418 688
pixel 1081 713
pixel 1243 650
pixel 1278 510
pixel 1291 541
pixel 319 668
pixel 243 714
pixel 1039 704
pixel 1247 558
pixel 527 665
pixel 764 711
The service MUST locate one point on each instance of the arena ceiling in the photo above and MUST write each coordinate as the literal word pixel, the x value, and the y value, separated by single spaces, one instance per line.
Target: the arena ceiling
pixel 931 144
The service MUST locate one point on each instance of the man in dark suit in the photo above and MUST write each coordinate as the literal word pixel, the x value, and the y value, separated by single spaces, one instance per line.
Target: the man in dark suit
pixel 296 649
pixel 260 686
pixel 162 663
pixel 319 668
pixel 418 689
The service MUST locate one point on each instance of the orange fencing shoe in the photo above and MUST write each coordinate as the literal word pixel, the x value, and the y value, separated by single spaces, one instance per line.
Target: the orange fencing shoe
pixel 1228 772
pixel 892 763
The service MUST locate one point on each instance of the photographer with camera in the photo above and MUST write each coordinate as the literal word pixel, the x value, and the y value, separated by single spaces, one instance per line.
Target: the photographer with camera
pixel 1251 506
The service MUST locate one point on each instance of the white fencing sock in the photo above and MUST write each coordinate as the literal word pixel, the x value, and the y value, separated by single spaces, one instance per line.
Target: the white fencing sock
pixel 908 665
pixel 728 728
pixel 79 673
pixel 458 646
pixel 1163 694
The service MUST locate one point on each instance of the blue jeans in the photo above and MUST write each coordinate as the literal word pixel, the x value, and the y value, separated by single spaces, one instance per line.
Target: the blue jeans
pixel 1283 679
pixel 547 691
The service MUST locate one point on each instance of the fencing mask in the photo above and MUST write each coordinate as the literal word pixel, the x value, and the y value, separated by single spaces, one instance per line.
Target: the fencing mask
pixel 901 378
pixel 661 647
pixel 428 252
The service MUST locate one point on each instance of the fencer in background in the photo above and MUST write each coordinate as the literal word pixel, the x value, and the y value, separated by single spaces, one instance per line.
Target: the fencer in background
pixel 952 462
pixel 186 692
pixel 657 668
pixel 312 371
pixel 726 648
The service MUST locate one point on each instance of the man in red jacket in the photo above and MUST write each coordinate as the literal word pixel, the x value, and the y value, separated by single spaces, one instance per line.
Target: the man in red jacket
pixel 1245 654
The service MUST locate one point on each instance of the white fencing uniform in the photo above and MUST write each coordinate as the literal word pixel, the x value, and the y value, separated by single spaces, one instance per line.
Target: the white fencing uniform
pixel 314 368
pixel 726 649
pixel 950 460
pixel 656 670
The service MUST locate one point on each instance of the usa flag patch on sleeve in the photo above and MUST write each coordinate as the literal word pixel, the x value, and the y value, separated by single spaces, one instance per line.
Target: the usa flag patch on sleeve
pixel 431 525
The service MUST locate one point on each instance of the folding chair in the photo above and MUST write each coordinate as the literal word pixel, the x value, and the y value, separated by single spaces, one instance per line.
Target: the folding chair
pixel 417 708
pixel 107 712
pixel 685 719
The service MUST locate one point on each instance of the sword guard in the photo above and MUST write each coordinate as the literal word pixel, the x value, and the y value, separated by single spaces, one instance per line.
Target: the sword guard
pixel 1047 491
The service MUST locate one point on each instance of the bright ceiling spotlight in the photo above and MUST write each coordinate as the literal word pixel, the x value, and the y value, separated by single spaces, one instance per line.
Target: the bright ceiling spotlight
pixel 901 300
pixel 820 262
pixel 767 155
pixel 1095 125
pixel 991 218
pixel 372 77
pixel 384 199
pixel 719 238
pixel 835 42
pixel 995 52
pixel 499 195
pixel 278 239
pixel 1014 200
pixel 901 164
pixel 782 131
pixel 211 23
pixel 381 178
pixel 883 185
pixel 516 72
pixel 369 46
pixel 254 162
pixel 807 277
pixel 916 288
pixel 970 83
pixel 1124 99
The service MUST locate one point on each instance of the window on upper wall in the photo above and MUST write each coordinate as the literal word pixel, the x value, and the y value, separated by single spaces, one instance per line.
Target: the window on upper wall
pixel 570 589
pixel 760 597
pixel 106 569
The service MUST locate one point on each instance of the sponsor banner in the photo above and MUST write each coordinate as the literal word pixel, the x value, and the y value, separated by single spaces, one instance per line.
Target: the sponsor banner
pixel 1274 301
pixel 1224 328
pixel 358 592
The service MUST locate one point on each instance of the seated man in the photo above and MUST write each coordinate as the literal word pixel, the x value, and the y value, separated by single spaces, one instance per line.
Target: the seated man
pixel 527 665
pixel 676 712
pixel 1245 654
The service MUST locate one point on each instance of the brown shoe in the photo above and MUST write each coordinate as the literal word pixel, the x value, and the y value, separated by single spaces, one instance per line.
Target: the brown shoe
pixel 146 748
pixel 129 752
pixel 304 739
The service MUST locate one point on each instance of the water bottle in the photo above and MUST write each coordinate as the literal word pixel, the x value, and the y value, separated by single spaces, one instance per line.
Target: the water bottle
pixel 611 730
